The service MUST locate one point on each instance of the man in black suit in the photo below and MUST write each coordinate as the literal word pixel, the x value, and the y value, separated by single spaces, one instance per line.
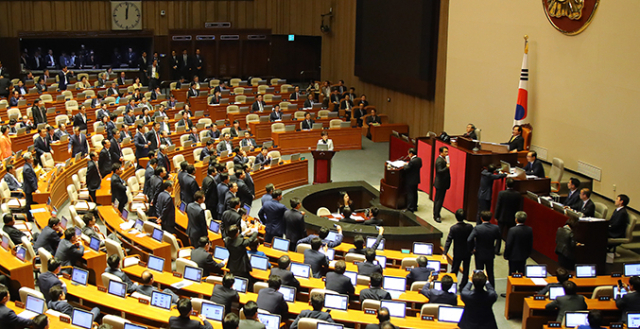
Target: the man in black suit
pixel 631 301
pixel 141 143
pixel 184 64
pixel 620 218
pixel 223 294
pixel 442 296
pixel 39 112
pixel 203 258
pixel 568 303
pixel 104 162
pixel 458 234
pixel 258 105
pixel 118 187
pixel 190 185
pixel 147 288
pixel 184 320
pixel 50 236
pixel 573 198
pixel 210 190
pixel 485 192
pixel 14 234
pixel 30 182
pixel 238 263
pixel 93 176
pixel 347 105
pixel 367 267
pixel 163 158
pixel 165 207
pixel 585 205
pixel 534 166
pixel 478 304
pixel 5 84
pixel 384 320
pixel 442 181
pixel 248 141
pixel 50 278
pixel 276 114
pixel 484 242
pixel 308 122
pixel 197 225
pixel 295 95
pixel 317 302
pixel 153 136
pixel 516 142
pixel 122 79
pixel 8 317
pixel 270 299
pixel 316 259
pixel 42 145
pixel 519 244
pixel 80 119
pixel 471 132
pixel 294 222
pixel 309 102
pixel 78 143
pixel 59 303
pixel 283 272
pixel 509 202
pixel 421 272
pixel 63 78
pixel 113 268
pixel 70 250
pixel 412 179
pixel 272 216
pixel 375 290
pixel 373 117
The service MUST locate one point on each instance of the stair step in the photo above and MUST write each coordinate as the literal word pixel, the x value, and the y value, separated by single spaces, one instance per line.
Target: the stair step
pixel 626 255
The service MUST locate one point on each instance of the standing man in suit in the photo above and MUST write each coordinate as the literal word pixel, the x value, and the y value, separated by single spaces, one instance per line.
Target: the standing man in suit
pixel 64 76
pixel 287 278
pixel 203 258
pixel 294 222
pixel 198 63
pixel 118 187
pixel 442 181
pixel 30 182
pixel 50 236
pixel 485 192
pixel 585 205
pixel 509 202
pixel 620 218
pixel 534 166
pixel 566 244
pixel 184 63
pixel 239 263
pixel 478 304
pixel 210 190
pixel 141 143
pixel 163 158
pixel 174 62
pixel 80 119
pixel 573 199
pixel 105 164
pixel 153 136
pixel 519 244
pixel 568 303
pixel 459 234
pixel 258 105
pixel 42 145
pixel 244 193
pixel 78 143
pixel 272 216
pixel 184 320
pixel 631 301
pixel 516 142
pixel 93 176
pixel 412 179
pixel 224 294
pixel 39 112
pixel 420 272
pixel 166 208
pixel 484 241
pixel 197 225
pixel 270 299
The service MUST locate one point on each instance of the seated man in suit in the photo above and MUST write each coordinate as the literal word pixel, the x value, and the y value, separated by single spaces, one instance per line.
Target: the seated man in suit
pixel 113 268
pixel 317 302
pixel 442 296
pixel 225 144
pixel 309 102
pixel 573 198
pixel 223 294
pixel 193 136
pixel 375 290
pixel 262 158
pixel 184 320
pixel 339 282
pixel 562 275
pixel 324 232
pixel 213 131
pixel 11 178
pixel 50 235
pixel 248 141
pixel 308 122
pixel 70 250
pixel 147 287
pixel 185 121
pixel 8 317
pixel 631 301
pixel 534 166
pixel 258 105
pixel 314 258
pixel 208 151
pixel 50 278
pixel 295 95
pixel 516 142
pixel 130 118
pixel 620 218
pixel 271 299
pixel 347 105
pixel 251 320
pixel 585 205
pixel 59 302
pixel 14 234
pixel 215 100
pixel 419 273
pixel 384 320
pixel 568 303
pixel 283 272
pixel 203 258
pixel 368 267
pixel 276 114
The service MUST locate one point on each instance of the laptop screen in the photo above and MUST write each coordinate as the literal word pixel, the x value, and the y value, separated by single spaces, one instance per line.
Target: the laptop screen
pixel 138 225
pixel 420 248
pixel 301 270
pixel 371 241
pixel 536 271
pixel 192 273
pixel 21 253
pixel 157 235
pixel 353 276
pixel 240 285
pixel 270 321
pixel 321 325
pixel 156 263
pixel 214 226
pixel 63 222
pixel 554 292
pixel 585 271
pixel 289 293
pixel 259 262
pixel 382 261
pixel 394 283
pixel 396 309
pixel 161 300
pixel 450 314
pixel 94 244
pixel 221 253
pixel 5 242
pixel 618 293
pixel 34 304
pixel 433 264
pixel 633 320
pixel 631 269
pixel 330 253
pixel 247 208
pixel 117 288
pixel 280 244
pixel 79 276
pixel 78 231
pixel 338 302
pixel 133 326
pixel 332 236
pixel 82 318
pixel 212 311
pixel 183 206
pixel 574 319
pixel 125 214
pixel 437 285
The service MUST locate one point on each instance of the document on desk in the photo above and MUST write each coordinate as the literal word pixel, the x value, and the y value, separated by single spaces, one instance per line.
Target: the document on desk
pixel 532 176
pixel 539 281
pixel 129 261
pixel 127 225
pixel 396 164
pixel 181 284
pixel 591 219
pixel 35 211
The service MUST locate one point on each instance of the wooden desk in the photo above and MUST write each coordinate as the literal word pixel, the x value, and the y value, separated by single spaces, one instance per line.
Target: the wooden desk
pixel 285 176
pixel 20 273
pixel 262 130
pixel 382 133
pixel 143 245
pixel 303 141
pixel 534 315
pixel 54 321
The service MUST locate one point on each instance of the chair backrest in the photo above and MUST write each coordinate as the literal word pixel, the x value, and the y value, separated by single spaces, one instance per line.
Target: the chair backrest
pixel 62 118
pixel 527 135
pixel 148 226
pixel 116 322
pixel 13 113
pixel 238 91
pixel 132 183
pixel 318 291
pixel 26 291
pixel 601 210
pixel 72 193
pixel 284 105
pixel 76 181
pixel 113 248
pixel 353 257
pixel 363 280
pixel 82 174
pixel 47 160
pixel 323 211
pixel 285 88
pixel 233 109
pixel 262 89
pixel 323 113
pixel 234 82
pixel 417 285
pixel 196 153
pixel 371 303
pixel 106 277
pixel 300 248
pixel 309 323
pixel 44 259
pixel 431 309
pixel 408 262
pixel 274 154
pixel 602 291
pixel 252 118
pixel 177 160
pixel 241 98
pixel 277 127
pixel 89 93
pixel 631 227
pixel 182 262
pixel 96 141
pixel 557 169
pixel 140 175
pixel 268 98
pixel 299 115
pixel 214 83
pixel 173 242
pixel 335 123
pixel 226 130
pixel 206 121
pixel 259 286
pixel 31 254
pixel 71 105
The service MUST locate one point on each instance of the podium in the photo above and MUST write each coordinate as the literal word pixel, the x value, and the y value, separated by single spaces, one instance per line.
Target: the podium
pixel 393 193
pixel 322 166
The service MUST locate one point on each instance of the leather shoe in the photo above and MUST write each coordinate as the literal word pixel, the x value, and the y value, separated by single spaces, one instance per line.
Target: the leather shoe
pixel 438 220
pixel 503 295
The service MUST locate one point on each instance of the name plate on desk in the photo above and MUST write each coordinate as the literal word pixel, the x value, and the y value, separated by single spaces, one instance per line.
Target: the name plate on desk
pixel 19 304
pixel 604 298
pixel 616 274
pixel 539 297
pixel 267 244
pixel 177 275
pixel 102 289
pixel 143 301
pixel 143 264
pixel 194 313
pixel 66 276
pixel 616 325
pixel 516 275
pixel 554 324
pixel 370 311
pixel 65 319
pixel 427 317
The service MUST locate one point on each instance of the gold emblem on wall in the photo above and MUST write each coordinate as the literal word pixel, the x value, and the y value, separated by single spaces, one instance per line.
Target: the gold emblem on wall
pixel 570 16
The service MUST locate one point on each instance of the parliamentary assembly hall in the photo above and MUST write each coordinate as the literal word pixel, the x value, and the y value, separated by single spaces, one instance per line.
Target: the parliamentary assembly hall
pixel 319 164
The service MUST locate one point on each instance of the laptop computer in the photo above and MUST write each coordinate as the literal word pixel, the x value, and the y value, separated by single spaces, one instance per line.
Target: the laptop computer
pixel 157 234
pixel 396 309
pixel 33 306
pixel 437 285
pixel 94 244
pixel 421 248
pixel 214 226
pixel 124 215
pixel 133 326
pixel 586 271
pixel 633 320
pixel 631 269
pixel 505 166
pixel 353 276
pixel 155 263
pixel 183 206
pixel 322 325
pixel 192 274
pixel 372 240
pixel 554 292
pixel 212 311
pixel 21 253
pixel 536 271
pixel 322 147
pixel 300 270
pixel 289 293
pixel 220 253
pixel 381 260
pixel 574 319
pixel 336 301
pixel 394 285
pixel 281 244
pixel 82 318
pixel 295 157
pixel 451 314
pixel 270 321
pixel 5 243
pixel 259 262
pixel 79 276
pixel 330 253
pixel 240 284
pixel 117 288
pixel 160 300
pixel 317 126
pixel 434 264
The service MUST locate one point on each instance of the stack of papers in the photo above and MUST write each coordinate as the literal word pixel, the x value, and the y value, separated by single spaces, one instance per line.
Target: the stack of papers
pixel 396 164
pixel 591 219
pixel 181 284
pixel 127 225
pixel 539 281
pixel 129 261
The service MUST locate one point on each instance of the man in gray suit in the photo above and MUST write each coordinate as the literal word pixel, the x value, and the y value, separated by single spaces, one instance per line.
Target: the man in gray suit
pixel 8 317
pixel 251 317
pixel 368 267
pixel 49 279
pixel 631 301
pixel 339 282
pixel 70 250
pixel 317 302
pixel 59 302
pixel 197 225
pixel 442 296
pixel 50 236
pixel 375 290
pixel 568 303
pixel 272 300
pixel 509 202
pixel 287 278
pixel 314 258
pixel 10 178
pixel 113 268
pixel 203 258
pixel 442 181
pixel 147 287
pixel 224 294
pixel 165 208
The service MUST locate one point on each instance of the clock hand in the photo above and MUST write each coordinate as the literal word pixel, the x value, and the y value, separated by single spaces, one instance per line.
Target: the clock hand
pixel 126 12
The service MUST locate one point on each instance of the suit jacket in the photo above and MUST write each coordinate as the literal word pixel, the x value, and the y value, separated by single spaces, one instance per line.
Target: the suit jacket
pixel 80 121
pixel 565 242
pixel 13 233
pixel 272 216
pixel 244 193
pixel 42 146
pixel 205 261
pixel 222 192
pixel 164 161
pixel 439 296
pixel 275 115
pixel 535 168
pixel 210 195
pixel 486 184
pixel 272 300
pixel 295 227
pixel 186 123
pixel 307 124
pixel 375 294
pixel 248 142
pixel 324 316
pixel 346 104
pixel 104 163
pixel 93 176
pixel 62 85
pixel 588 209
pixel 472 135
pixel 129 120
pixel 366 268
pixel 227 197
pixel 215 100
pixel 308 104
pixel 78 144
pixel 224 296
pixel 148 173
pixel 618 223
pixel 116 151
pixel 118 189
pixel 190 188
pixel 519 243
pixel 419 274
pixel 458 234
pixel 508 204
pixel 192 92
pixel 141 145
pixel 286 277
pixel 339 283
pixel 197 225
pixel 573 200
pixel 46 281
pixel 29 179
pixel 166 211
pixel 485 239
pixel 48 239
pixel 39 115
pixel 628 303
pixel 131 287
pixel 317 260
pixel 178 322
pixel 10 320
pixel 516 143
pixel 443 176
pixel 373 119
pixel 478 312
pixel 238 259
pixel 155 182
pixel 224 146
pixel 566 303
pixel 12 182
pixel 255 107
pixel 68 253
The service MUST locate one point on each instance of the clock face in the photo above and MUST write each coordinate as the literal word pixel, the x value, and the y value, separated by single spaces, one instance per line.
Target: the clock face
pixel 126 15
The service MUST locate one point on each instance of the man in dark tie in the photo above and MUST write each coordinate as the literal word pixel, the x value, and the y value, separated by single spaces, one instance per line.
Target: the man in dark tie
pixel 534 166
pixel 141 143
pixel 39 112
pixel 295 95
pixel 585 205
pixel 118 187
pixel 485 192
pixel 80 119
pixel 484 242
pixel 193 136
pixel 347 105
pixel 64 76
pixel 412 179
pixel 308 121
pixel 197 225
pixel 516 142
pixel 153 136
pixel 30 180
pixel 78 143
pixel 620 218
pixel 309 102
pixel 458 235
pixel 276 114
pixel 42 145
pixel 258 105
pixel 442 181
pixel 104 162
pixel 165 207
pixel 573 198
pixel 519 244
pixel 93 176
